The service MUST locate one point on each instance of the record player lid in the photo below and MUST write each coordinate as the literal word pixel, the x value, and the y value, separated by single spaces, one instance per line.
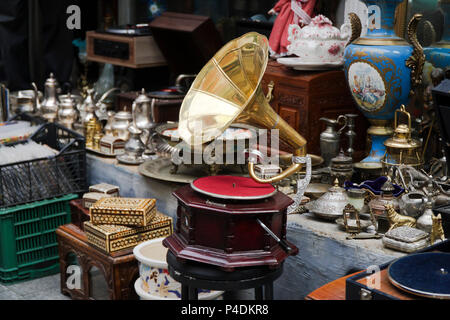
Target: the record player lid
pixel 232 187
pixel 423 274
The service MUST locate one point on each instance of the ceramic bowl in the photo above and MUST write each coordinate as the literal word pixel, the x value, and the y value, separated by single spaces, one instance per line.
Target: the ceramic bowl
pixel 155 283
pixel 203 295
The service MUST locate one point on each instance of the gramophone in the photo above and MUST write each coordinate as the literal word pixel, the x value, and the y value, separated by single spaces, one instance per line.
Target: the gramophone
pixel 232 221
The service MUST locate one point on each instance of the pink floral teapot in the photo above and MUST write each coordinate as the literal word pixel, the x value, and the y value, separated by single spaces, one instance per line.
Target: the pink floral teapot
pixel 319 42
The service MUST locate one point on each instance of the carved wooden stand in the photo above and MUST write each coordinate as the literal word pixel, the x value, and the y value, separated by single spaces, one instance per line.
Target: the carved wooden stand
pixel 119 269
pixel 79 213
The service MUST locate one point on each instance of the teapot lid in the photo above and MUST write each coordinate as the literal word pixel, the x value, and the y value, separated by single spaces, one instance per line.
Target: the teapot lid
pixel 51 81
pixel 142 98
pixel 124 115
pixel 388 187
pixel 320 28
pixel 68 100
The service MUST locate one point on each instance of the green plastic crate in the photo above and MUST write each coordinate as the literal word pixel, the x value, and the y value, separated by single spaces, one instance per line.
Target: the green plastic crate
pixel 28 245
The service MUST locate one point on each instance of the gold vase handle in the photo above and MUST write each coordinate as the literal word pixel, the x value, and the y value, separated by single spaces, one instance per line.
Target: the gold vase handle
pixel 417 59
pixel 356 26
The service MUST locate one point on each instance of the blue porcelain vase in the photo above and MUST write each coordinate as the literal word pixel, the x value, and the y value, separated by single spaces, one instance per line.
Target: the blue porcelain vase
pixel 438 54
pixel 379 69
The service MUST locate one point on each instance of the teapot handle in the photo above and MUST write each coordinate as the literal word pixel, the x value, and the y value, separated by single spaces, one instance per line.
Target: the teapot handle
pixel 133 112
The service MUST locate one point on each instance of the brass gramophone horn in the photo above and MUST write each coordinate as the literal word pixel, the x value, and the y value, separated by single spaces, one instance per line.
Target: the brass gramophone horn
pixel 227 90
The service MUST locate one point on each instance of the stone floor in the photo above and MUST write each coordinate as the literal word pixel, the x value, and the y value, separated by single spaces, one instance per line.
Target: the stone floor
pixel 47 288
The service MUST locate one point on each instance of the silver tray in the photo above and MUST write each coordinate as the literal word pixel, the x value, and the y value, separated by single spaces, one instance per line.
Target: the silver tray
pixel 128 160
pixel 160 169
pixel 100 153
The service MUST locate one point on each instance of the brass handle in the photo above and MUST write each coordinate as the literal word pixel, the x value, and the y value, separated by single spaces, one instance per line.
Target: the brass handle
pixel 269 96
pixel 356 26
pixel 293 168
pixel 417 59
pixel 402 109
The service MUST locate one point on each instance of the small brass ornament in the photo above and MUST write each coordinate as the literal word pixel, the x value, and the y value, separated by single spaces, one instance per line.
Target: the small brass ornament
pixel 397 220
pixel 437 232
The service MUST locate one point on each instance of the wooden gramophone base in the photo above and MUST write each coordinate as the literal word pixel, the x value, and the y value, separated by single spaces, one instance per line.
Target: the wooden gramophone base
pixel 227 261
pixel 226 233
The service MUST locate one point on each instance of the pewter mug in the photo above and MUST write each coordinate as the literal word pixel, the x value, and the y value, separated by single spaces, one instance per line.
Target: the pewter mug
pixel 330 138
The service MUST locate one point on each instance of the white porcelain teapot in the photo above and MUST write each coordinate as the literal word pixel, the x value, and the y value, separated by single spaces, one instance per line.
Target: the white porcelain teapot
pixel 319 41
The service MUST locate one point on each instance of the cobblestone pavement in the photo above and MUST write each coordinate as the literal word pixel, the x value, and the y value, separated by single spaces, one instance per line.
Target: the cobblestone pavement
pixel 47 288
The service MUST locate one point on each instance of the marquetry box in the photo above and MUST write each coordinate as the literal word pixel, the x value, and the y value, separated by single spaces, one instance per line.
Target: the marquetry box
pixel 90 198
pixel 112 238
pixel 105 188
pixel 123 211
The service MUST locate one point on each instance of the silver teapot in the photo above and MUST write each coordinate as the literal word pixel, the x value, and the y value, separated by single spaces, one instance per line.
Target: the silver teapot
pixel 108 126
pixel 67 113
pixel 142 110
pixel 134 148
pixel 120 124
pixel 50 105
pixel 87 108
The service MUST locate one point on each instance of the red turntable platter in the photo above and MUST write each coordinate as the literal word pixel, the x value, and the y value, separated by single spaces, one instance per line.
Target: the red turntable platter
pixel 232 187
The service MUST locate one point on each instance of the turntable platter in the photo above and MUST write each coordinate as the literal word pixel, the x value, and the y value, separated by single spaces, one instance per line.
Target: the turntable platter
pixel 232 187
pixel 423 274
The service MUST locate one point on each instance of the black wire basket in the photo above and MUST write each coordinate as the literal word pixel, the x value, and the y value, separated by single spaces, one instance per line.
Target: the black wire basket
pixel 45 178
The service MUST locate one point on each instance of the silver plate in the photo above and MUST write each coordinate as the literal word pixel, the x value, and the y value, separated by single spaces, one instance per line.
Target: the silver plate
pixel 128 160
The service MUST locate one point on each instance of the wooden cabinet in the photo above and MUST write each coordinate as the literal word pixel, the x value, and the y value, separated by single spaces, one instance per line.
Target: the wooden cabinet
pixel 301 98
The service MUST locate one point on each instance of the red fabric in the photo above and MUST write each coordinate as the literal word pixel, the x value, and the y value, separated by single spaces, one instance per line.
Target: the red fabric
pixel 223 185
pixel 278 41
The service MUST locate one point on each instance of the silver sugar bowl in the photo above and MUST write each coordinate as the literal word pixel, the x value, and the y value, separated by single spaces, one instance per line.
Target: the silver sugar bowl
pixel 331 204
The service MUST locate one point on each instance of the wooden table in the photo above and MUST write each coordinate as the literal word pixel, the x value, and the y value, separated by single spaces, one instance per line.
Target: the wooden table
pixel 334 290
pixel 119 269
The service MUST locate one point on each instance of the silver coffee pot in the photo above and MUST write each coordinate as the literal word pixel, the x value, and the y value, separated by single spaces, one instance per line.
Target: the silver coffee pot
pixel 330 138
pixel 67 113
pixel 142 110
pixel 50 105
pixel 87 108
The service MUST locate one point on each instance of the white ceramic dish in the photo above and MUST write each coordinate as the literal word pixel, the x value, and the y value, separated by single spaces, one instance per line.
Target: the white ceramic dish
pixel 212 295
pixel 155 281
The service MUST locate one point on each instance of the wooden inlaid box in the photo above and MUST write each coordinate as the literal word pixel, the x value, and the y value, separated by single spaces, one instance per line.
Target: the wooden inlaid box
pixel 113 238
pixel 123 211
